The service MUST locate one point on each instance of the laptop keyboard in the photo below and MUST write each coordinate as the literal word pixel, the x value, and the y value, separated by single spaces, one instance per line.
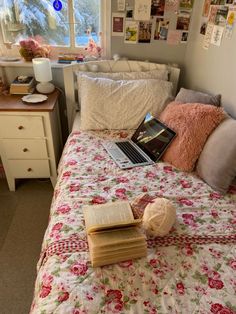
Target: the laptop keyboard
pixel 131 152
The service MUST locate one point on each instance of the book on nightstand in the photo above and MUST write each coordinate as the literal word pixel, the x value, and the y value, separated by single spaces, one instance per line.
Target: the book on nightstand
pixel 22 85
pixel 113 233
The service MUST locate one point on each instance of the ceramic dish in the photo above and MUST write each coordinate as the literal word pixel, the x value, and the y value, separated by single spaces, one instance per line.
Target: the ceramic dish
pixel 34 98
pixel 9 59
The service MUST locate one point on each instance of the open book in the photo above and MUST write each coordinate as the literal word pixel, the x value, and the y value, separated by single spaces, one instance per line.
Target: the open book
pixel 113 233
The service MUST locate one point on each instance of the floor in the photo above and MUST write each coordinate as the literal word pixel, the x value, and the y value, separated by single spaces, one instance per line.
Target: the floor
pixel 23 220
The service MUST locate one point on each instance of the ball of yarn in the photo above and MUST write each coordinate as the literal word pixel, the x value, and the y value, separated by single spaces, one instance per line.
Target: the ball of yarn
pixel 159 217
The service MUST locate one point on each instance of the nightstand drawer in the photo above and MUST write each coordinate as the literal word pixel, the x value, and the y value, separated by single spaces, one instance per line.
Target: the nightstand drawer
pixel 25 149
pixel 29 168
pixel 21 126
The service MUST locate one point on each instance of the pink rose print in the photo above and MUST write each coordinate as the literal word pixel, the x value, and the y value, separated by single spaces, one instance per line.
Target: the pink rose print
pixel 232 189
pixel 98 157
pixel 122 179
pixel 120 193
pixel 45 290
pixel 185 184
pixel 168 169
pixel 232 264
pixel 150 175
pixel 213 275
pixel 74 187
pixel 106 188
pixel 63 296
pixel 126 263
pixel 98 200
pixel 113 295
pixel 63 209
pixel 218 308
pixel 66 174
pixel 214 213
pixel 184 201
pixel 215 195
pixel 153 262
pixel 79 268
pixel 57 226
pixel 71 162
pixel 188 250
pixel 215 284
pixel 78 149
pixel 144 189
pixel 180 288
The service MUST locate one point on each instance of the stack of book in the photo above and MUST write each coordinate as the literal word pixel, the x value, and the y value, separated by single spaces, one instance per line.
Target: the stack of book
pixel 113 233
pixel 22 85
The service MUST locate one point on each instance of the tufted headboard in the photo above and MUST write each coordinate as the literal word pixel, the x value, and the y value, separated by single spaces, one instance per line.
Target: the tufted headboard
pixel 70 80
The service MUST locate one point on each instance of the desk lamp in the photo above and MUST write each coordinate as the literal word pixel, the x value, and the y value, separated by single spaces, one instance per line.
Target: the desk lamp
pixel 43 74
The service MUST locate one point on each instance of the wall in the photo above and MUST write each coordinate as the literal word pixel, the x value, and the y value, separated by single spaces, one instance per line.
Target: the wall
pixel 156 51
pixel 211 70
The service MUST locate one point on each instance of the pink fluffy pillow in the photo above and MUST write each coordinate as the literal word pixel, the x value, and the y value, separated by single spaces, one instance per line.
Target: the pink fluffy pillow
pixel 193 124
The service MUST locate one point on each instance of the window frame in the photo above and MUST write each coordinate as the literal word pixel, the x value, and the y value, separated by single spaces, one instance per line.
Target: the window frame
pixel 105 26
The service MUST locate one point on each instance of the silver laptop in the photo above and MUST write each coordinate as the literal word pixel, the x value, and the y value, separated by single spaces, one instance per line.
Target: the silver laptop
pixel 146 146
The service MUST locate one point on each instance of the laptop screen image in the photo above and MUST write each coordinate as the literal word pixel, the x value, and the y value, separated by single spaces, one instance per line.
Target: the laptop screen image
pixel 153 137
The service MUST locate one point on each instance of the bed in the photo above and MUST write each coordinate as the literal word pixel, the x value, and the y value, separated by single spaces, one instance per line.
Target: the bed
pixel 191 270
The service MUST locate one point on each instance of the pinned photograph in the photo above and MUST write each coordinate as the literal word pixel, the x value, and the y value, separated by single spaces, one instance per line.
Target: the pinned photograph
pixel 186 4
pixel 145 31
pixel 184 37
pixel 118 24
pixel 206 8
pixel 221 16
pixel 203 27
pixel 142 10
pixel 161 29
pixel 157 7
pixel 131 32
pixel 129 13
pixel 183 21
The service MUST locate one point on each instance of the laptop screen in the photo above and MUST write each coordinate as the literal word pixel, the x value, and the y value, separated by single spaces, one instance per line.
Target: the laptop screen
pixel 153 137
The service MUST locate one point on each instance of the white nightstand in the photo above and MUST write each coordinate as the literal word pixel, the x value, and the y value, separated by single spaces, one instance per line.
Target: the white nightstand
pixel 30 138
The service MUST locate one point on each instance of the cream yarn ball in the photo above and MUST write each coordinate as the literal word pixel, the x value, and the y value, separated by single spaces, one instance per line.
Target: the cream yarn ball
pixel 159 217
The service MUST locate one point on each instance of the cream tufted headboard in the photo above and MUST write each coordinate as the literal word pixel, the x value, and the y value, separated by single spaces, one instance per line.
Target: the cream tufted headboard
pixel 70 81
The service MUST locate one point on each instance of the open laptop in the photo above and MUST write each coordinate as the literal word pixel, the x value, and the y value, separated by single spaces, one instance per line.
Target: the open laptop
pixel 146 146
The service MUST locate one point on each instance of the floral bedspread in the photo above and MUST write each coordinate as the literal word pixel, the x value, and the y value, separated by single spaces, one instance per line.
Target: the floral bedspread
pixel 192 270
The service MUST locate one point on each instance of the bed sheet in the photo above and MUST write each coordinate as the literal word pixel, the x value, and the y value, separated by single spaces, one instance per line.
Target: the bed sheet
pixel 192 270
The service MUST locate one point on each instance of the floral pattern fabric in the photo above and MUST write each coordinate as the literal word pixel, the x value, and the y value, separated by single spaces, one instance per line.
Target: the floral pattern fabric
pixel 179 277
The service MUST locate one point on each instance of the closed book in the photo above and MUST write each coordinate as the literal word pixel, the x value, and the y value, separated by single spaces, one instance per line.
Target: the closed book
pixel 22 86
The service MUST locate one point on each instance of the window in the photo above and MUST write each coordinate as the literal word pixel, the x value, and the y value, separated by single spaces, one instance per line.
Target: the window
pixel 67 28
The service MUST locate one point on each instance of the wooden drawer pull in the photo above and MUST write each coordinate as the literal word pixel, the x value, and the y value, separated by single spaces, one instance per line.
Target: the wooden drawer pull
pixel 20 127
pixel 29 169
pixel 25 150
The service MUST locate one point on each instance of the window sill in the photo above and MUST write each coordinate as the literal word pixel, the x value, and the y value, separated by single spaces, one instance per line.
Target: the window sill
pixel 22 63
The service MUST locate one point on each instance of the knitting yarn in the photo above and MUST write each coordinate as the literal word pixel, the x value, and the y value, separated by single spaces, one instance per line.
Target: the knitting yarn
pixel 159 217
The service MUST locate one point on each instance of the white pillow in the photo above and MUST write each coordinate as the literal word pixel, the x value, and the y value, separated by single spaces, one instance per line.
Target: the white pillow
pixel 161 74
pixel 109 104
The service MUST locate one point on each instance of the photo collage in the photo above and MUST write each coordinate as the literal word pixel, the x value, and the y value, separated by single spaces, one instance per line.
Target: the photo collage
pixel 218 21
pixel 153 20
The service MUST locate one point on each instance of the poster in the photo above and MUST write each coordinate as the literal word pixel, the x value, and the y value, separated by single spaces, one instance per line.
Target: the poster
pixel 161 29
pixel 142 10
pixel 217 34
pixel 118 24
pixel 184 37
pixel 183 21
pixel 144 32
pixel 221 16
pixel 129 13
pixel 157 7
pixel 207 37
pixel 131 32
pixel 206 8
pixel 230 23
pixel 212 14
pixel 120 5
pixel 171 5
pixel 174 37
pixel 186 4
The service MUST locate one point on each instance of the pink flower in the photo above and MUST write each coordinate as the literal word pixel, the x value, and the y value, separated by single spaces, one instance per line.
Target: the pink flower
pixel 144 188
pixel 119 305
pixel 66 174
pixel 153 262
pixel 233 264
pixel 63 209
pixel 185 184
pixel 45 290
pixel 215 284
pixel 150 174
pixel 168 169
pixel 216 307
pixel 98 157
pixel 187 250
pixel 180 288
pixel 226 310
pixel 98 200
pixel 122 179
pixel 63 296
pixel 74 187
pixel 215 195
pixel 185 202
pixel 71 162
pixel 106 188
pixel 126 263
pixel 188 216
pixel 214 213
pixel 79 268
pixel 57 226
pixel 120 192
pixel 113 295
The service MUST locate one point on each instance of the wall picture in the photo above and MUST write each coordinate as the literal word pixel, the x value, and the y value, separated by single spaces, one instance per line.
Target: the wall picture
pixel 118 24
pixel 144 32
pixel 157 7
pixel 131 32
pixel 183 21
pixel 161 29
pixel 186 4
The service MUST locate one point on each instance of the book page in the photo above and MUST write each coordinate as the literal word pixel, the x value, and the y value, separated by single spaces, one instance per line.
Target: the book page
pixel 107 215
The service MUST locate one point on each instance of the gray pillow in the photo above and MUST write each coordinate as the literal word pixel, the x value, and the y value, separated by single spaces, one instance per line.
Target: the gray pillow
pixel 217 162
pixel 191 96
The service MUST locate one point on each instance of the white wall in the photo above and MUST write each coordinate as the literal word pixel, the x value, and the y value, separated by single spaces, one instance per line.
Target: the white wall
pixel 211 70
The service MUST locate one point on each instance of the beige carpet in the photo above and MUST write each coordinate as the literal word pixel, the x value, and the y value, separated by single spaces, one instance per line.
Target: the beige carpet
pixel 23 219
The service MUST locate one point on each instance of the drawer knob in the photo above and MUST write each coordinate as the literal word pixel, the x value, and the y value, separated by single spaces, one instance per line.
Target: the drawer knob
pixel 25 150
pixel 29 169
pixel 20 127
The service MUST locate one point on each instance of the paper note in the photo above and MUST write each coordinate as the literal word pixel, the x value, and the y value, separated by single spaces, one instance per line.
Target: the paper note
pixel 120 5
pixel 142 10
pixel 206 8
pixel 217 34
pixel 174 37
pixel 207 37
pixel 231 21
